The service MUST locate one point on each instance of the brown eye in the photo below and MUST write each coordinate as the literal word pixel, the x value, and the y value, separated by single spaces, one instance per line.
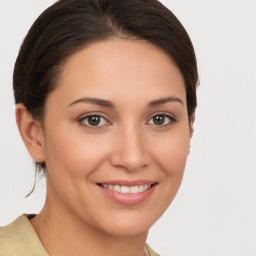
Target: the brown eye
pixel 162 120
pixel 93 121
pixel 159 119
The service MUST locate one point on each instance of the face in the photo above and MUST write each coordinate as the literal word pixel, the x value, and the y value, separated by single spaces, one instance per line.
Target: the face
pixel 116 136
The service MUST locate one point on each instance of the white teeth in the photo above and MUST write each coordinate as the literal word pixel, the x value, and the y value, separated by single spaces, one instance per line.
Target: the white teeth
pixel 134 190
pixel 126 189
pixel 141 188
pixel 117 188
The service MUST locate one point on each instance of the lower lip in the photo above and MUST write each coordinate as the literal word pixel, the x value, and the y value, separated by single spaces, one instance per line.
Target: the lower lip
pixel 128 198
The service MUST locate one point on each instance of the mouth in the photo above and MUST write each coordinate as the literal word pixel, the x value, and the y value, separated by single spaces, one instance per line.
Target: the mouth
pixel 126 192
pixel 127 189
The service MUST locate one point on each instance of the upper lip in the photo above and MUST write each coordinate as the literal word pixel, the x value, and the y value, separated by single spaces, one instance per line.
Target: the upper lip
pixel 128 183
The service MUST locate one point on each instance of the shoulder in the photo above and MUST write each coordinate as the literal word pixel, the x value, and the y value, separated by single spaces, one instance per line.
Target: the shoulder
pixel 20 239
pixel 151 252
pixel 9 238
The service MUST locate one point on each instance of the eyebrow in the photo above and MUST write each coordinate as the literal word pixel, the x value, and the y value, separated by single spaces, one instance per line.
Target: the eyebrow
pixel 96 101
pixel 165 100
pixel 107 103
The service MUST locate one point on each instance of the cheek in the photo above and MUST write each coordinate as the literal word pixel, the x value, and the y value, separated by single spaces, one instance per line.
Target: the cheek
pixel 73 153
pixel 71 160
pixel 172 153
pixel 170 159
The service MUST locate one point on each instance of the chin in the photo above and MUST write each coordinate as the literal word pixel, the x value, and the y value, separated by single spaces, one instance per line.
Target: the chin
pixel 125 230
pixel 131 224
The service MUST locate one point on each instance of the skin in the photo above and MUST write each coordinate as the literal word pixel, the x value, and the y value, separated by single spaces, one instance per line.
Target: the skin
pixel 77 217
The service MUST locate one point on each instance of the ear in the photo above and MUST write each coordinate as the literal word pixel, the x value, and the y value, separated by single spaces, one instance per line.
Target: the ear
pixel 191 125
pixel 191 128
pixel 31 133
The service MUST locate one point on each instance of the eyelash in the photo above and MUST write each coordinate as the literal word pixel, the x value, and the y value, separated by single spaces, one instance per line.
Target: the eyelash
pixel 172 119
pixel 81 120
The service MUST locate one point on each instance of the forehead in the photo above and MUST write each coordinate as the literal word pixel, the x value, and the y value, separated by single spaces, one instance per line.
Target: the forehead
pixel 119 69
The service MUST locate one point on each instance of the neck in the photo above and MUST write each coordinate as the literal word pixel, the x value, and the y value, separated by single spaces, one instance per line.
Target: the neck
pixel 64 234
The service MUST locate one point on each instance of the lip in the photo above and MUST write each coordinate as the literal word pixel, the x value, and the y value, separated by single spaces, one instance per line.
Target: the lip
pixel 129 183
pixel 128 199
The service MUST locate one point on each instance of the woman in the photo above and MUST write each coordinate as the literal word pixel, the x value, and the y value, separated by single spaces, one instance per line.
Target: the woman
pixel 105 97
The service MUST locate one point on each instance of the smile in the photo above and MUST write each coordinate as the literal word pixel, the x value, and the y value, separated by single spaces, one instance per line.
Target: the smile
pixel 127 189
pixel 128 192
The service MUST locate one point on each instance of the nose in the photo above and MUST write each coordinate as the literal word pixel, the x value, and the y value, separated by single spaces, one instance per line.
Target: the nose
pixel 130 151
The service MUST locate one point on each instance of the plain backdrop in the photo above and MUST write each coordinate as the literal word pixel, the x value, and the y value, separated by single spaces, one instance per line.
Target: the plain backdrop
pixel 214 213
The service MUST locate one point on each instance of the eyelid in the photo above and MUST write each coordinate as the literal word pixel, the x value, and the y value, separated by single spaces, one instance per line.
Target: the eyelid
pixel 100 114
pixel 166 114
pixel 96 113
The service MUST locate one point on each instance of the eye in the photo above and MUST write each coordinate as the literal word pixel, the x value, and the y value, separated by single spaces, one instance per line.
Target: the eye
pixel 161 120
pixel 93 121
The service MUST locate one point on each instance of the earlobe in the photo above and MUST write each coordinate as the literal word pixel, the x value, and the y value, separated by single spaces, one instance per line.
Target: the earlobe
pixel 31 133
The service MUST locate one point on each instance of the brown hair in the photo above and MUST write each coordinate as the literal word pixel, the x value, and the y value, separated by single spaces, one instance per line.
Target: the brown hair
pixel 69 25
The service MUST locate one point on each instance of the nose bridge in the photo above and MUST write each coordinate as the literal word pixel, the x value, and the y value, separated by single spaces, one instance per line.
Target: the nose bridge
pixel 130 150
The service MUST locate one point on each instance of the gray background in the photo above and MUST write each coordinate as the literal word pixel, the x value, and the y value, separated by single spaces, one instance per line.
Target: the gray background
pixel 214 213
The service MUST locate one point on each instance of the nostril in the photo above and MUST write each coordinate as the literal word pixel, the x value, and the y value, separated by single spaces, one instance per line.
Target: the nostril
pixel 130 162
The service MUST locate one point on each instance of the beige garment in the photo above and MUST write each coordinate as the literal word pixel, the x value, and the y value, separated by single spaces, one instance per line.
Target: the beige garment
pixel 20 239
